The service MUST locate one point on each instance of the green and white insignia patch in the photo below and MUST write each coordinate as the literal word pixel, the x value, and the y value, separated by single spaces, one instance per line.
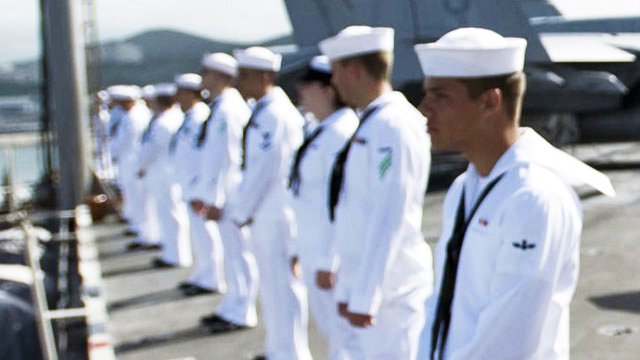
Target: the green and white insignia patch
pixel 386 162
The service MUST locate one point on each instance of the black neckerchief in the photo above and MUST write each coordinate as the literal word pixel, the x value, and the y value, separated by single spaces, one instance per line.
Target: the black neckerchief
pixel 176 135
pixel 245 132
pixel 337 173
pixel 202 136
pixel 113 129
pixel 442 319
pixel 146 135
pixel 294 175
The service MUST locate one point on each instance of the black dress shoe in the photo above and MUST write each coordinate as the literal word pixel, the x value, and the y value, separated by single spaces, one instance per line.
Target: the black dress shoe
pixel 224 326
pixel 151 247
pixel 206 320
pixel 129 232
pixel 184 285
pixel 135 245
pixel 195 290
pixel 260 357
pixel 161 264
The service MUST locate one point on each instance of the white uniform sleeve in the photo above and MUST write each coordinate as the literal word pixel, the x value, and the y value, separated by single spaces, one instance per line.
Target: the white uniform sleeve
pixel 535 240
pixel 262 167
pixel 389 193
pixel 123 140
pixel 151 150
pixel 215 160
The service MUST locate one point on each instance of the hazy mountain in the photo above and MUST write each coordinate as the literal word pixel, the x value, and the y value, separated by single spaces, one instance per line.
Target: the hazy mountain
pixel 148 57
pixel 158 55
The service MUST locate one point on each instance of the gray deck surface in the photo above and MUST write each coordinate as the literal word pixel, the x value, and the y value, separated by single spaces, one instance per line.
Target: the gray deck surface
pixel 149 319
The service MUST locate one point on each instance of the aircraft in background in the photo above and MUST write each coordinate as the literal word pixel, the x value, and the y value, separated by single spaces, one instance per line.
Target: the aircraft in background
pixel 583 75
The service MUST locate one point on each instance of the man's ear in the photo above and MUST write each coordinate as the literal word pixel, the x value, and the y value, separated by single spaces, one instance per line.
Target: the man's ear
pixel 354 69
pixel 492 100
pixel 265 77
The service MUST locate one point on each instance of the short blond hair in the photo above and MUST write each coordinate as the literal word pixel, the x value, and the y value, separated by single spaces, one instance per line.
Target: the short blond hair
pixel 378 64
pixel 512 87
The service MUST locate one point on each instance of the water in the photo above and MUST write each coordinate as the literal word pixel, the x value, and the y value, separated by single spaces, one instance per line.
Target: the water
pixel 28 160
pixel 25 164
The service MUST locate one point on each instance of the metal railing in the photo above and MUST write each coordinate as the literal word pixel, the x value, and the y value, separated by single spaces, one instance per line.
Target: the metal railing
pixel 99 344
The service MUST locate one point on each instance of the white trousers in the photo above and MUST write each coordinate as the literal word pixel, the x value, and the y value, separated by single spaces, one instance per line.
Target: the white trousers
pixel 396 332
pixel 149 223
pixel 208 253
pixel 324 310
pixel 283 297
pixel 174 220
pixel 239 303
pixel 132 198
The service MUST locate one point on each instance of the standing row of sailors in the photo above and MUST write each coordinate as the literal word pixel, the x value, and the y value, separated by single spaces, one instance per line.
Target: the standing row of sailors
pixel 332 220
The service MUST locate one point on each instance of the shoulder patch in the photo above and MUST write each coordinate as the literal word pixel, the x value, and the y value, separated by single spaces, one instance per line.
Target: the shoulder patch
pixel 523 245
pixel 385 164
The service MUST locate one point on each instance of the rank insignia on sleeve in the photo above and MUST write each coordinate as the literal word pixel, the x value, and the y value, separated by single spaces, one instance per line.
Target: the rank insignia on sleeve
pixel 523 245
pixel 386 162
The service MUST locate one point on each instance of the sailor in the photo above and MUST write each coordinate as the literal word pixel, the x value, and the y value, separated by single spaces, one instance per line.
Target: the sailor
pixel 207 275
pixel 149 234
pixel 166 197
pixel 506 264
pixel 219 175
pixel 129 118
pixel 270 138
pixel 100 127
pixel 309 185
pixel 377 190
pixel 149 95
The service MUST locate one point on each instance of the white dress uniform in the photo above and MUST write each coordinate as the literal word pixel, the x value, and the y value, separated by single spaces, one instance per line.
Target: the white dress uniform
pixel 103 165
pixel 125 144
pixel 274 133
pixel 314 245
pixel 116 113
pixel 207 271
pixel 384 262
pixel 164 201
pixel 518 267
pixel 218 180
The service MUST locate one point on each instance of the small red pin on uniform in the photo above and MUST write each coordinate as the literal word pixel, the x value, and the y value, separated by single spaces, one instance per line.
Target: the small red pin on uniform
pixel 483 222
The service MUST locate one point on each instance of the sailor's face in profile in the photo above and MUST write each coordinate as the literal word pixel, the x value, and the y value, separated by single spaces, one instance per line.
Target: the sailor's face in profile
pixel 314 96
pixel 184 97
pixel 451 113
pixel 249 82
pixel 342 79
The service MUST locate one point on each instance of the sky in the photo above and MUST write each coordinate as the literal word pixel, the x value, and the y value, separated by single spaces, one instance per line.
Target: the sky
pixel 238 20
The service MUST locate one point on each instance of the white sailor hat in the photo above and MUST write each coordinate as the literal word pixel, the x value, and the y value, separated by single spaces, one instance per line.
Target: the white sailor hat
pixel 103 96
pixel 472 52
pixel 165 89
pixel 258 58
pixel 357 40
pixel 189 81
pixel 124 92
pixel 319 69
pixel 221 62
pixel 149 92
pixel 321 63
